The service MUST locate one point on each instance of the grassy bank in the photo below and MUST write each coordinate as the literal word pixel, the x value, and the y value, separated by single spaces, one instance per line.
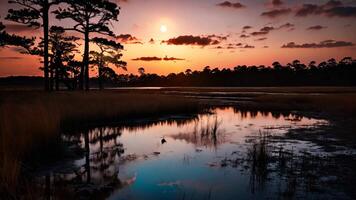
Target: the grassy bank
pixel 342 104
pixel 29 119
pixel 332 100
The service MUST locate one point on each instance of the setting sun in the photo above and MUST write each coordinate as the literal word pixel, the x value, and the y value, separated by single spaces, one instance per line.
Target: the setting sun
pixel 163 28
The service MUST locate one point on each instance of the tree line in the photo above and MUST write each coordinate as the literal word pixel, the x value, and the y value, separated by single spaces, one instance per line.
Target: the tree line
pixel 328 73
pixel 57 48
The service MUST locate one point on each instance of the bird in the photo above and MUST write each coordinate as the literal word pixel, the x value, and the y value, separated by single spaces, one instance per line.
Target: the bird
pixel 163 141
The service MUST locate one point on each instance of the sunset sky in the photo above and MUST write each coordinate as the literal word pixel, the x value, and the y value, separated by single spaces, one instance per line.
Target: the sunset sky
pixel 165 36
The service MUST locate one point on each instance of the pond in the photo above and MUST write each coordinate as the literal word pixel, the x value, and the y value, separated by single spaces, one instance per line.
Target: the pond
pixel 223 154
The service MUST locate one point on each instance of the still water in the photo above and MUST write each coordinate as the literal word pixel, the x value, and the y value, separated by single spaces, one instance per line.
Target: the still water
pixel 223 154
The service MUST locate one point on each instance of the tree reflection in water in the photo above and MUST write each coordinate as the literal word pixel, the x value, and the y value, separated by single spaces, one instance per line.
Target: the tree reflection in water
pixel 101 152
pixel 206 133
pixel 95 175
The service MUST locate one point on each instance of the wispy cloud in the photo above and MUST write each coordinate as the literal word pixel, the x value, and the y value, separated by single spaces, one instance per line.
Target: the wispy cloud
pixel 316 28
pixel 155 58
pixel 332 8
pixel 194 40
pixel 128 39
pixel 323 44
pixel 228 4
pixel 276 12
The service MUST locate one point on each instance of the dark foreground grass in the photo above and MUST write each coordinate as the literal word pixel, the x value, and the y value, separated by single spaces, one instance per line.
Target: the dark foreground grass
pixel 31 119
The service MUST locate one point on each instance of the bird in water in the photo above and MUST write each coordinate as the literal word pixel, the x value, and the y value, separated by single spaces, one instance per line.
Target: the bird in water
pixel 163 140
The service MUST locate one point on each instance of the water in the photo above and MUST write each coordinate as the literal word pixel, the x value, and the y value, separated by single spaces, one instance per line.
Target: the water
pixel 225 154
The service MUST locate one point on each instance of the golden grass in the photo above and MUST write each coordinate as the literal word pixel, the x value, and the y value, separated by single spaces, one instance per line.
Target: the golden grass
pixel 30 118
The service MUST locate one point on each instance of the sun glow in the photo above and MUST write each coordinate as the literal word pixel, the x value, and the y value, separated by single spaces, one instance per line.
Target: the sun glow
pixel 163 28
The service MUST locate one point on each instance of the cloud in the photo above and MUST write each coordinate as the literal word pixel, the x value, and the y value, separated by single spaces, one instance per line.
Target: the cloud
pixel 228 4
pixel 229 46
pixel 218 37
pixel 263 31
pixel 246 27
pixel 19 28
pixel 10 57
pixel 235 46
pixel 267 29
pixel 308 9
pixel 287 26
pixel 277 2
pixel 259 33
pixel 261 39
pixel 154 58
pixel 276 12
pixel 341 12
pixel 172 59
pixel 323 44
pixel 193 40
pixel 128 39
pixel 316 28
pixel 248 47
pixel 244 36
pixel 332 8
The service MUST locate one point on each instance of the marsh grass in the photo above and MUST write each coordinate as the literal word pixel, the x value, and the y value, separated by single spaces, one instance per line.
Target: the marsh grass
pixel 30 122
pixel 297 171
pixel 207 134
pixel 343 104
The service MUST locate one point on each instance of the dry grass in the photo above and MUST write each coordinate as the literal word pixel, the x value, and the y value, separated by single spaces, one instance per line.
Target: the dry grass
pixel 246 90
pixel 31 118
pixel 337 104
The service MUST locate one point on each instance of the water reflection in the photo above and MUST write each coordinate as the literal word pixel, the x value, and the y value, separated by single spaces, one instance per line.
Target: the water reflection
pixel 223 154
pixel 206 132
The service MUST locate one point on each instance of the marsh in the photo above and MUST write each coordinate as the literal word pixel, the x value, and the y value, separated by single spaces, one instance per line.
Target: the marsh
pixel 213 149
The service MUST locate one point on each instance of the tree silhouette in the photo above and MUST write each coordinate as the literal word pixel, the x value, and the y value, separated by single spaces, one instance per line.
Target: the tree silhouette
pixel 141 71
pixel 276 65
pixel 14 40
pixel 35 13
pixel 90 16
pixel 109 54
pixel 188 71
pixel 63 49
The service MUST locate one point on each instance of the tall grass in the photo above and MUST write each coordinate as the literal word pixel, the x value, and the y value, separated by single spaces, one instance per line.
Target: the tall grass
pixel 334 104
pixel 31 119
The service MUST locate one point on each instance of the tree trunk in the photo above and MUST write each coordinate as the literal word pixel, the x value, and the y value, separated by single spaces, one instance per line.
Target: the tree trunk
pixel 45 40
pixel 81 76
pixel 86 60
pixel 87 155
pixel 51 79
pixel 57 75
pixel 100 77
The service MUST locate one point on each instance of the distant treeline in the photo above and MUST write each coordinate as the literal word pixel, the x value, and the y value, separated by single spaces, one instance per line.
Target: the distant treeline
pixel 329 73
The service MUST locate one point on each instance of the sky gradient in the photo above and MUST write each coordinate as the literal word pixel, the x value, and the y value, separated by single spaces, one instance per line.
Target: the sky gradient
pixel 213 33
